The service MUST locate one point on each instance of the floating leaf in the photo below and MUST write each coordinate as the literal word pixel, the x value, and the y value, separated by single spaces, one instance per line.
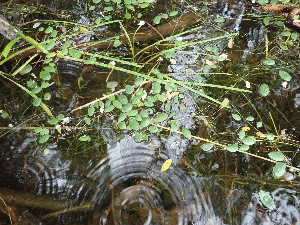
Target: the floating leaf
pixel 153 129
pixel 44 138
pixel 269 62
pixel 207 146
pixel 161 117
pixel 232 148
pixel 173 13
pixel 37 102
pixel 75 53
pixel 127 107
pixel 91 111
pixel 133 124
pixel 186 132
pixel 145 122
pixel 157 19
pixel 122 125
pixel 117 104
pixel 284 75
pixel 138 137
pixel 264 90
pixel 279 169
pixel 277 156
pixel 249 140
pixel 250 119
pixel 219 20
pixel 244 147
pixel 242 134
pixel 236 117
pixel 132 112
pixel 266 199
pixel 84 138
pixel 166 165
pixel 123 99
pixel 45 75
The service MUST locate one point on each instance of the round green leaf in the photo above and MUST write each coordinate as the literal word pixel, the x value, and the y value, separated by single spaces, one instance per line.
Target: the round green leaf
pixel 244 147
pixel 133 124
pixel 207 146
pixel 279 169
pixel 84 138
pixel 44 138
pixel 236 116
pixel 45 75
pixel 129 89
pixel 138 81
pixel 284 75
pixel 186 132
pixel 249 140
pixel 161 117
pixel 266 199
pixel 232 148
pixel 145 122
pixel 173 13
pixel 138 137
pixel 264 90
pixel 123 99
pixel 156 87
pixel 26 69
pixel 91 111
pixel 117 104
pixel 126 107
pixel 277 156
pixel 122 125
pixel 122 117
pixel 250 118
pixel 219 20
pixel 109 108
pixel 47 96
pixel 269 62
pixel 87 121
pixel 153 129
pixel 37 102
pixel 157 19
pixel 75 53
pixel 132 112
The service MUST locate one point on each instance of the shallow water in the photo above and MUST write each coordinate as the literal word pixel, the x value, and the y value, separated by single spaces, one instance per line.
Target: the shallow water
pixel 120 181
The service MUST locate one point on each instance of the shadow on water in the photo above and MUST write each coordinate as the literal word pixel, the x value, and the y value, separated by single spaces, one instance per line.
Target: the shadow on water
pixel 115 180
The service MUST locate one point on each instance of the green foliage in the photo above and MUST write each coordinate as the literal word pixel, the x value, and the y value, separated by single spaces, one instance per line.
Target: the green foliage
pixel 266 199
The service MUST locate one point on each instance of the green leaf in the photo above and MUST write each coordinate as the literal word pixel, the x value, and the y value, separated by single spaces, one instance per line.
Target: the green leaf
pixel 117 104
pixel 207 146
pixel 153 129
pixel 48 30
pixel 249 140
pixel 117 43
pixel 96 1
pixel 129 89
pixel 161 117
pixel 90 61
pixel 87 121
pixel 37 102
pixel 270 137
pixel 122 125
pixel 250 118
pixel 4 115
pixel 44 138
pixel 132 112
pixel 134 124
pixel 26 69
pixel 138 137
pixel 45 75
pixel 242 134
pixel 144 5
pixel 54 121
pixel 9 46
pixel 266 21
pixel 264 90
pixel 186 132
pixel 145 122
pixel 279 169
pixel 157 19
pixel 126 107
pixel 244 147
pixel 122 99
pixel 138 81
pixel 91 111
pixel 232 147
pixel 284 75
pixel 173 13
pixel 156 87
pixel 47 96
pixel 122 117
pixel 46 84
pixel 75 53
pixel 84 138
pixel 269 62
pixel 236 116
pixel 219 20
pixel 108 9
pixel 109 108
pixel 266 199
pixel 277 156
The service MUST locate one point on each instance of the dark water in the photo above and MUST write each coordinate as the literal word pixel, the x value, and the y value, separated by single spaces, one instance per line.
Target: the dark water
pixel 114 180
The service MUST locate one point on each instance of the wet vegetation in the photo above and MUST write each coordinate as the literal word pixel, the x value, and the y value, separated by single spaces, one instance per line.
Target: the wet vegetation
pixel 127 110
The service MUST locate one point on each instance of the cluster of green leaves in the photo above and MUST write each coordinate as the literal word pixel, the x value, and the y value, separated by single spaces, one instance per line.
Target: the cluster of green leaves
pixel 130 9
pixel 137 109
pixel 273 2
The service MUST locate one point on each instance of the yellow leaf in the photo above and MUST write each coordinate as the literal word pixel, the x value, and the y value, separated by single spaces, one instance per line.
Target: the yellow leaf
pixel 245 128
pixel 225 102
pixel 208 62
pixel 260 134
pixel 166 165
pixel 170 95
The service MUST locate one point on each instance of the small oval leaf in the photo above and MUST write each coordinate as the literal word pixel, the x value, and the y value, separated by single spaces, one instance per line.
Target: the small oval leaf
pixel 186 132
pixel 264 90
